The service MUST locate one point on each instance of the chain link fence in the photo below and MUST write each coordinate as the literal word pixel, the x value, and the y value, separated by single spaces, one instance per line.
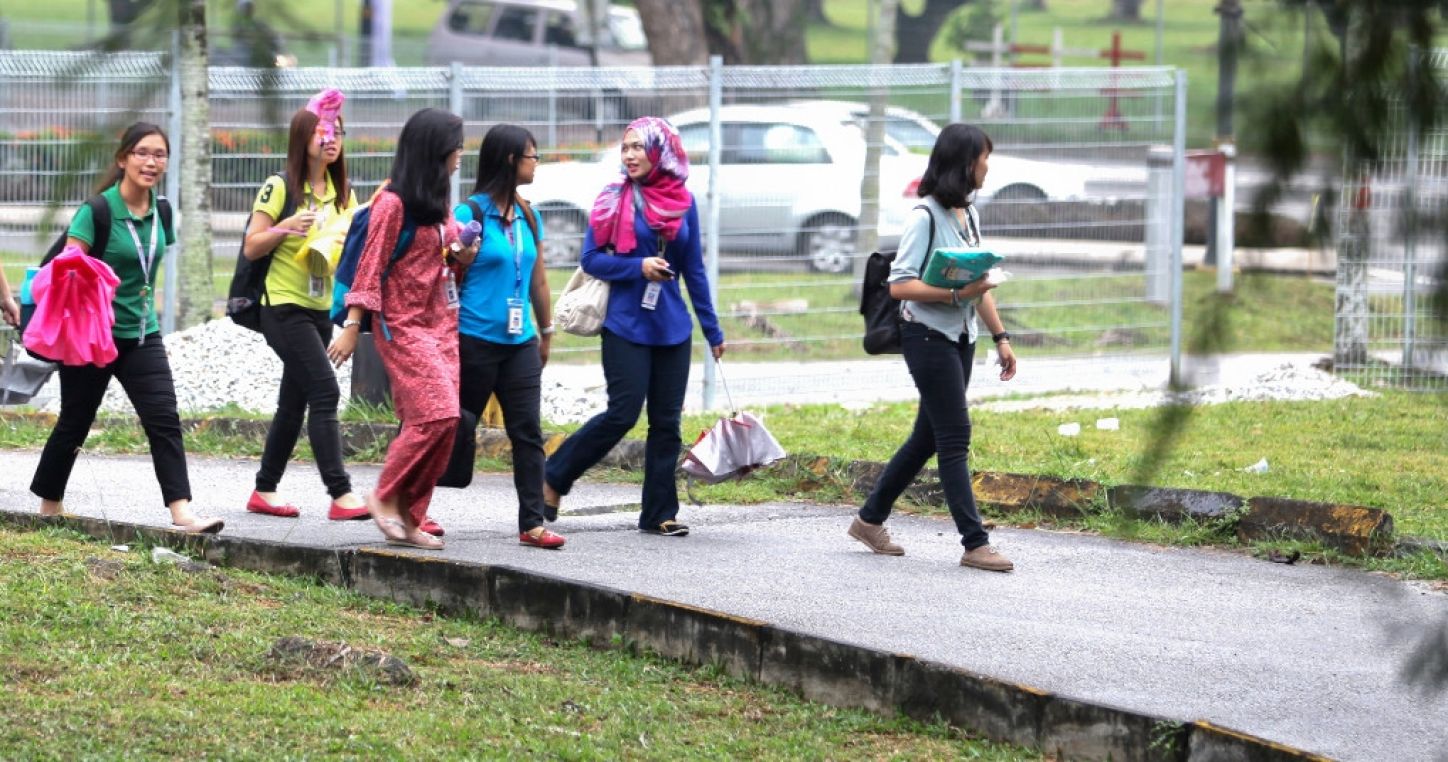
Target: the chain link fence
pixel 1392 258
pixel 1089 224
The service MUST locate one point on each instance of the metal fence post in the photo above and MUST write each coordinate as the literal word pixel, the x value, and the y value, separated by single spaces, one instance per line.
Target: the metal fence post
pixel 711 255
pixel 1227 219
pixel 1410 228
pixel 1179 192
pixel 455 105
pixel 955 68
pixel 171 292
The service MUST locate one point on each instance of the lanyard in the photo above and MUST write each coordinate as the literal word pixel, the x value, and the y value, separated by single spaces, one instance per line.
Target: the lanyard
pixel 971 229
pixel 146 261
pixel 517 240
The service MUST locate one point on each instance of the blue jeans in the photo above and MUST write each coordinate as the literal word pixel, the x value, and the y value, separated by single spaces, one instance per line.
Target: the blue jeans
pixel 941 369
pixel 636 373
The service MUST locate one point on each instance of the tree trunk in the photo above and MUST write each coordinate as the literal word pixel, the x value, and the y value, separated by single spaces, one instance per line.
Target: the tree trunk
pixel 914 34
pixel 675 29
pixel 771 31
pixel 195 283
pixel 868 237
pixel 815 12
pixel 1126 10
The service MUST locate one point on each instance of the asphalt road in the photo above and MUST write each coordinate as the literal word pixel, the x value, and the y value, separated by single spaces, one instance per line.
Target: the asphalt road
pixel 1306 655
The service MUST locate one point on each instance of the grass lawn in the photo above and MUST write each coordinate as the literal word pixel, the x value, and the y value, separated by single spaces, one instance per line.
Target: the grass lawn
pixel 110 655
pixel 1388 452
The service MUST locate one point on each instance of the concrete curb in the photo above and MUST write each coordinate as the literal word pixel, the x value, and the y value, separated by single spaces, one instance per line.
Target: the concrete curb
pixel 1354 530
pixel 820 669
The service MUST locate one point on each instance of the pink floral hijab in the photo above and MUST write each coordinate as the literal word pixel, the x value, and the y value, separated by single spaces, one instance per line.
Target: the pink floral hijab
pixel 662 195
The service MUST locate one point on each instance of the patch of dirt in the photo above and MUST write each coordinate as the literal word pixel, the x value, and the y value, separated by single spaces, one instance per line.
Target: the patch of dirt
pixel 305 656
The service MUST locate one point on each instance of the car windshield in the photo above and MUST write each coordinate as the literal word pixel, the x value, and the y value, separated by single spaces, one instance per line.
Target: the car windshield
pixel 909 133
pixel 627 30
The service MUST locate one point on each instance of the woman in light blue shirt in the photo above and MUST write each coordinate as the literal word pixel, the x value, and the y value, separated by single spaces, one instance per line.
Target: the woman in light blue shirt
pixel 937 337
pixel 501 351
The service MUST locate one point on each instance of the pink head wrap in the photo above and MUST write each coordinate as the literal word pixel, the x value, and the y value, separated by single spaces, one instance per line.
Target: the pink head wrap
pixel 665 199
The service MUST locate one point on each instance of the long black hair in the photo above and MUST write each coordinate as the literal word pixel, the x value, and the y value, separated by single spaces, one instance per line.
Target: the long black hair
pixel 420 173
pixel 503 147
pixel 950 175
pixel 129 140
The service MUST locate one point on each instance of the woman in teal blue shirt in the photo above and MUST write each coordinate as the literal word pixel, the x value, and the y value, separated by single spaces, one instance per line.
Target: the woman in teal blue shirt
pixel 500 350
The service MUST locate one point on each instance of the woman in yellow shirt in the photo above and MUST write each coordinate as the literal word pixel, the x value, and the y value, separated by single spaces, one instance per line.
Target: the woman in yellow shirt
pixel 296 303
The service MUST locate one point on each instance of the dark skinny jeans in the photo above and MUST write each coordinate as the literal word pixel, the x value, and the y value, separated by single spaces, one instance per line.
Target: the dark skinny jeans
pixel 145 375
pixel 636 373
pixel 309 390
pixel 514 372
pixel 941 369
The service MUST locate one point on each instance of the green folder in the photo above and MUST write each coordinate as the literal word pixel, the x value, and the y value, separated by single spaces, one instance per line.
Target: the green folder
pixel 953 268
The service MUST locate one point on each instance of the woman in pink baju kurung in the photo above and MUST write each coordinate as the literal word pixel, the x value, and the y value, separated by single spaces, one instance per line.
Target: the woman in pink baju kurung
pixel 415 320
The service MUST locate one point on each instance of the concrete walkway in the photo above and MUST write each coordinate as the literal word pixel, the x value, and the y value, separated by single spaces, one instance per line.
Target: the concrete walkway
pixel 1303 655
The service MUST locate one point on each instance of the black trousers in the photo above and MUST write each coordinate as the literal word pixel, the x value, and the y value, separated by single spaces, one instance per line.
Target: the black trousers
pixel 299 336
pixel 941 369
pixel 514 372
pixel 145 375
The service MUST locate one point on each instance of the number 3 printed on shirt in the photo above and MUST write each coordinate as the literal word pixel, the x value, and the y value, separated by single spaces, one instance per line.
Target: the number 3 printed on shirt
pixel 266 192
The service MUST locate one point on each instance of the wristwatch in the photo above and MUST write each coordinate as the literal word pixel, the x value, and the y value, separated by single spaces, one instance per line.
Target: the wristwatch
pixel 1002 336
pixel 547 330
pixel 349 322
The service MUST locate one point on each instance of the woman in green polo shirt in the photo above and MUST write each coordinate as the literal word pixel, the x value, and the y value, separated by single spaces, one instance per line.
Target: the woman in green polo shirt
pixel 136 242
pixel 296 305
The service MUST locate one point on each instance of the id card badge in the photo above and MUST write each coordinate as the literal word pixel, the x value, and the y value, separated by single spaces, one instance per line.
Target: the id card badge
pixel 450 288
pixel 651 295
pixel 314 285
pixel 515 317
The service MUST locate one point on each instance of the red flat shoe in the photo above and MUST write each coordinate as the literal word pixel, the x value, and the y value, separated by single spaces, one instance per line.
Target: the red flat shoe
pixel 431 527
pixel 257 505
pixel 339 513
pixel 545 539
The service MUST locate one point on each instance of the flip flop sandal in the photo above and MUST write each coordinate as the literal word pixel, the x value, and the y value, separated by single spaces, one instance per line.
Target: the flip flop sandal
pixel 201 526
pixel 416 541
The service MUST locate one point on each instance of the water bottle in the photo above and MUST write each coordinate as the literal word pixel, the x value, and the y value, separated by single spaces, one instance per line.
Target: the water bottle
pixel 470 233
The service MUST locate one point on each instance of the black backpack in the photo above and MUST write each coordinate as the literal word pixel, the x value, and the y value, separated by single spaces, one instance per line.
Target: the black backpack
pixel 477 211
pixel 248 282
pixel 881 310
pixel 101 224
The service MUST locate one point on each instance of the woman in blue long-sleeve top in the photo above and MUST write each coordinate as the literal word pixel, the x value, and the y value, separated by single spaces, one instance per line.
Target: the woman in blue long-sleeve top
pixel 643 235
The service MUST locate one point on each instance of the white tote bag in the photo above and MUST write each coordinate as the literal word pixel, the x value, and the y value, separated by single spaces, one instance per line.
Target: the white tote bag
pixel 582 306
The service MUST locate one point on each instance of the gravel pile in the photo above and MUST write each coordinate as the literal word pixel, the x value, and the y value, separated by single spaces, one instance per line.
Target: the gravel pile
pixel 220 365
pixel 1285 383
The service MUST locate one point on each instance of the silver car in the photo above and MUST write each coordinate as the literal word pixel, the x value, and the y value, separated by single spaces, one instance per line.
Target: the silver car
pixel 533 33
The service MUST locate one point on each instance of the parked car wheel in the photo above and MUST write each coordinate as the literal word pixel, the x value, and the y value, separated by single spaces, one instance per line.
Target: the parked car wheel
pixel 1019 192
pixel 828 243
pixel 564 227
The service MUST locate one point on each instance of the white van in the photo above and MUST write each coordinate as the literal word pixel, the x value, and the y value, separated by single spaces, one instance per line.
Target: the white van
pixel 533 33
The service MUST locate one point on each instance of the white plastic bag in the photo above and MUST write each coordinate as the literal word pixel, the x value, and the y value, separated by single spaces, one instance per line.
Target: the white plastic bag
pixel 582 306
pixel 733 447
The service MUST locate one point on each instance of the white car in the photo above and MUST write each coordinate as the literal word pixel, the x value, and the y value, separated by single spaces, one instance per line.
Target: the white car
pixel 1010 178
pixel 789 184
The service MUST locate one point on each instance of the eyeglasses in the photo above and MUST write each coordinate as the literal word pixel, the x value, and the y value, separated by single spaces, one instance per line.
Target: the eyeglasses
pixel 144 156
pixel 533 156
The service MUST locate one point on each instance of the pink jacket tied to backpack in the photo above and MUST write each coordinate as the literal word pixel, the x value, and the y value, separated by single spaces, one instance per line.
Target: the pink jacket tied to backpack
pixel 73 310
